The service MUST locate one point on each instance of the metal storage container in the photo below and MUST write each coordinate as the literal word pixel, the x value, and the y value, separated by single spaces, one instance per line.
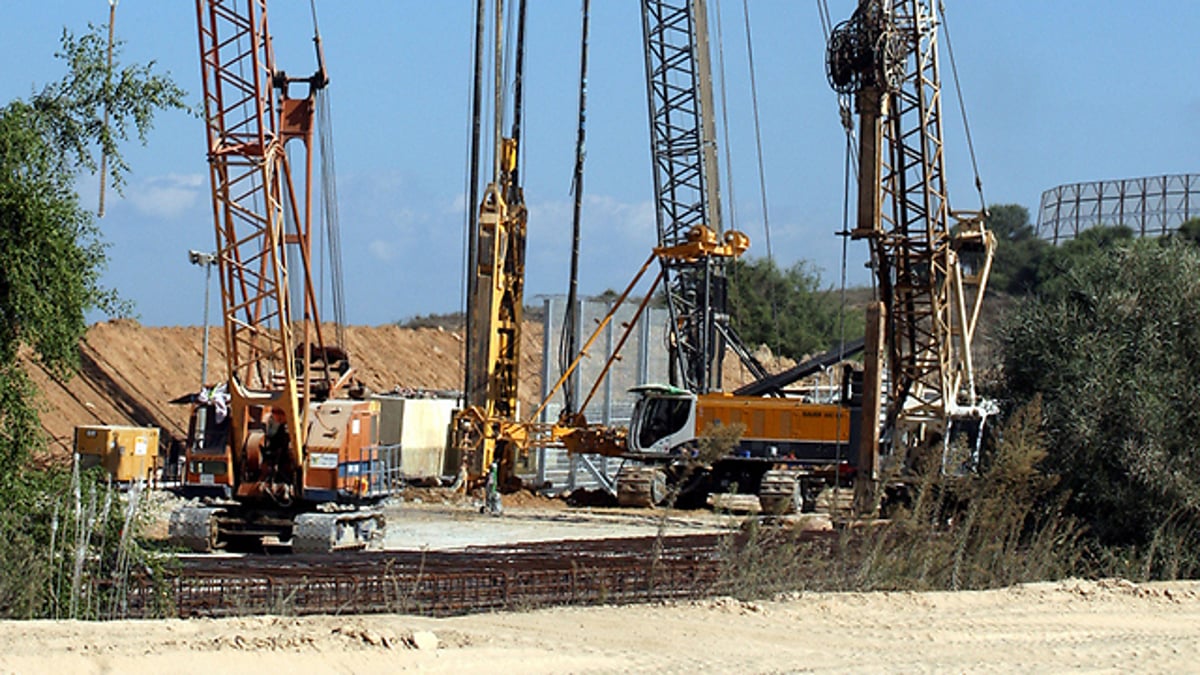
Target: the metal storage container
pixel 127 453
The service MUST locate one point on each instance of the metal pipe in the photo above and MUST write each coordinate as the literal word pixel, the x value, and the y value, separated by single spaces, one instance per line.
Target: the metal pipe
pixel 207 261
pixel 204 353
pixel 473 195
pixel 571 317
pixel 604 322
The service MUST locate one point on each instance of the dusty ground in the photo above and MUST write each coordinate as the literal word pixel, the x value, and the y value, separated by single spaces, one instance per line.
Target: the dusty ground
pixel 1107 626
pixel 449 526
pixel 1104 626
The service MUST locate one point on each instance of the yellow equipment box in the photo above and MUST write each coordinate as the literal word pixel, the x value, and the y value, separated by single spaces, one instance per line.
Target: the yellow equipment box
pixel 127 453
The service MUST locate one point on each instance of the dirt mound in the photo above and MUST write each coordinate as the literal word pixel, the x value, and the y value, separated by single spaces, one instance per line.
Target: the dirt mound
pixel 130 372
pixel 590 497
pixel 529 499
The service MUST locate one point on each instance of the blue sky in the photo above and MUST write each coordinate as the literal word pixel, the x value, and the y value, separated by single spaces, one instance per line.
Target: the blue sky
pixel 1057 91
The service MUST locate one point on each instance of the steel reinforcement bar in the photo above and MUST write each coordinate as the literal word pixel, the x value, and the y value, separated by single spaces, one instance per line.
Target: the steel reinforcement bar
pixel 438 583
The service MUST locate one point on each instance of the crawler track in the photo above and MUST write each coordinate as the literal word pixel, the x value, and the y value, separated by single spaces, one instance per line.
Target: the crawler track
pixel 439 583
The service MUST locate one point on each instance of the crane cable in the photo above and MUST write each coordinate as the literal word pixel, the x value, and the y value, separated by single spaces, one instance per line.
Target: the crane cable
pixel 329 198
pixel 762 176
pixel 850 171
pixel 732 201
pixel 845 234
pixel 826 21
pixel 498 79
pixel 962 107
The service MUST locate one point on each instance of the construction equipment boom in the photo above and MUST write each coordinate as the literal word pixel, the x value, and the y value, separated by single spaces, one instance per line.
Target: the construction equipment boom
pixel 668 421
pixel 496 284
pixel 686 187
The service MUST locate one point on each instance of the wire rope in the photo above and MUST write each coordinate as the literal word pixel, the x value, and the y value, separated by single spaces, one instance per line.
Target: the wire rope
pixel 962 107
pixel 467 194
pixel 845 235
pixel 329 204
pixel 826 23
pixel 331 232
pixel 498 90
pixel 762 176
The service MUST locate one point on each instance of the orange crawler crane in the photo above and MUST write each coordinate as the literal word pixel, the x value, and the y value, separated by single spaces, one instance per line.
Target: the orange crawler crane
pixel 276 451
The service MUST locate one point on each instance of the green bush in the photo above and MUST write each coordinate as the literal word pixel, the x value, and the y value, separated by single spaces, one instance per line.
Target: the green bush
pixel 68 548
pixel 1112 347
pixel 1003 526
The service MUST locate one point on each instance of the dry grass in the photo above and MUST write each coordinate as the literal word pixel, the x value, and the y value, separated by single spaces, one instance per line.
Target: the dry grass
pixel 1000 527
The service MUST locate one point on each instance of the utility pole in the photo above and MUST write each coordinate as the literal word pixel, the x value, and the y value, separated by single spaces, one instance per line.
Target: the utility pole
pixel 112 19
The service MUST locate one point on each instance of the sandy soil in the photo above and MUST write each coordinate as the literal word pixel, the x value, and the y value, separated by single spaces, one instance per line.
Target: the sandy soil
pixel 131 372
pixel 434 527
pixel 1106 626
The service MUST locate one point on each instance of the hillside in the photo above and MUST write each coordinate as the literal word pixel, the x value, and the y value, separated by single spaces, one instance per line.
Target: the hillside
pixel 131 372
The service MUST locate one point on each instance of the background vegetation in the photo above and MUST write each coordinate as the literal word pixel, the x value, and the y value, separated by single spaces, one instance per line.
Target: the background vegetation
pixel 1111 347
pixel 1096 470
pixel 787 310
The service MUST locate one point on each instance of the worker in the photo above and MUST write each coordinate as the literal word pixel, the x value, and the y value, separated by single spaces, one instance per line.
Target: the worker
pixel 276 446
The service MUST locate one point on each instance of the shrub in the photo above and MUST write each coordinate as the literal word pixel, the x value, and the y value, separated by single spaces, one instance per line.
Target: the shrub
pixel 1003 526
pixel 1112 351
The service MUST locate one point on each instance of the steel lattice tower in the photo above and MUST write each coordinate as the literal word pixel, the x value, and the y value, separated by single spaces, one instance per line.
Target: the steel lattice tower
pixel 683 151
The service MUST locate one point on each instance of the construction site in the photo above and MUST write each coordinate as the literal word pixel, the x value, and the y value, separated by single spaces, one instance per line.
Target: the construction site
pixel 585 481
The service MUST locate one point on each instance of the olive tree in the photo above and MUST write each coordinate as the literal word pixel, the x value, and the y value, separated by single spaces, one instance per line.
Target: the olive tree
pixel 1112 347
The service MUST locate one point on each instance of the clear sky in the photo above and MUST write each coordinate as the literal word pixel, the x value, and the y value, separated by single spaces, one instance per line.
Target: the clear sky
pixel 1057 91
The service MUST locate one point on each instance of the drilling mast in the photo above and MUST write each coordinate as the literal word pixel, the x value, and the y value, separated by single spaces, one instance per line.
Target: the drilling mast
pixel 496 282
pixel 886 57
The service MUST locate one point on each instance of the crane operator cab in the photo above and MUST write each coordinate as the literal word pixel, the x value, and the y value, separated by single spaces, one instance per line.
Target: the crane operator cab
pixel 276 447
pixel 208 467
pixel 664 419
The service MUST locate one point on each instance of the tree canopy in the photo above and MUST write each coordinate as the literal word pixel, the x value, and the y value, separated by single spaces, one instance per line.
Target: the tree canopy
pixel 1019 251
pixel 51 248
pixel 786 309
pixel 52 256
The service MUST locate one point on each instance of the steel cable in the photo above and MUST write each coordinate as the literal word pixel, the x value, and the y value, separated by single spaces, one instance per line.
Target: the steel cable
pixel 762 176
pixel 962 107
